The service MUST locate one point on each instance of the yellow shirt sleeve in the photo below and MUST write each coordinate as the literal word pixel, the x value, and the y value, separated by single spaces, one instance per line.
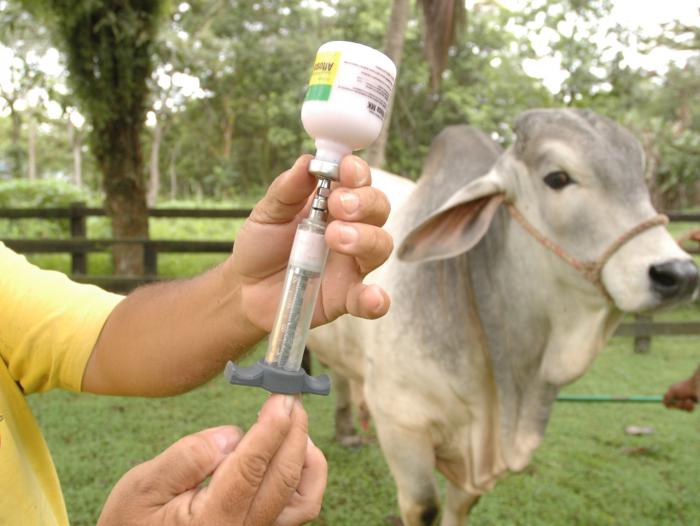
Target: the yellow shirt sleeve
pixel 48 324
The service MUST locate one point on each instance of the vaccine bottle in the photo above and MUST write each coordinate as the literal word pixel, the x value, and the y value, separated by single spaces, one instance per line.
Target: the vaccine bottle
pixel 347 97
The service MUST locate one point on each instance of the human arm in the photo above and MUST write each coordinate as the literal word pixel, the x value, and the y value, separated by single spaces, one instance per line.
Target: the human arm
pixel 170 337
pixel 272 475
pixel 684 395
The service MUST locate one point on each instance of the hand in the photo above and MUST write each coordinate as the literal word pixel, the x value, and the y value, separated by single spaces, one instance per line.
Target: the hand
pixel 354 236
pixel 682 395
pixel 273 475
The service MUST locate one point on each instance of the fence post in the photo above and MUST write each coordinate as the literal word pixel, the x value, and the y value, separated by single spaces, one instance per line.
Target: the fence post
pixel 78 230
pixel 150 258
pixel 642 343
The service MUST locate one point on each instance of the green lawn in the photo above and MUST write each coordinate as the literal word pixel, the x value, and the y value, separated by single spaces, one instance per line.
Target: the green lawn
pixel 587 471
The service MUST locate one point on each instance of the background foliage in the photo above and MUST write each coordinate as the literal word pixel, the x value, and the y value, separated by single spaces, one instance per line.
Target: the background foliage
pixel 229 77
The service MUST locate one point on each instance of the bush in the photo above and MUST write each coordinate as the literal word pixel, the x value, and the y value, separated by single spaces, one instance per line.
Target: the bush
pixel 22 193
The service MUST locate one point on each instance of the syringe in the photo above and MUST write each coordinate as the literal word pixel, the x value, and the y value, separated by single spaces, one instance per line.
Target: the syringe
pixel 344 109
pixel 301 285
pixel 280 371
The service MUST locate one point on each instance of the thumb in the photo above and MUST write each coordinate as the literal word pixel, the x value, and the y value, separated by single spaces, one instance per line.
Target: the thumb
pixel 287 195
pixel 149 487
pixel 189 461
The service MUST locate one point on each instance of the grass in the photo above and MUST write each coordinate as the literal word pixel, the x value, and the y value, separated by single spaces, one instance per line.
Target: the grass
pixel 587 471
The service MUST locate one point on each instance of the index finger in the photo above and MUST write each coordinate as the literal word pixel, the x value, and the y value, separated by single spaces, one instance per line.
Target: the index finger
pixel 354 172
pixel 238 479
pixel 285 472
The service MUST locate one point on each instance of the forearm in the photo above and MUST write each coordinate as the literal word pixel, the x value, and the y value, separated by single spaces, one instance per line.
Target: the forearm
pixel 167 338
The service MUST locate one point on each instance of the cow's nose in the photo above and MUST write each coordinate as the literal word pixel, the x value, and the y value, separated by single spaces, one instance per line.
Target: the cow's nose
pixel 676 279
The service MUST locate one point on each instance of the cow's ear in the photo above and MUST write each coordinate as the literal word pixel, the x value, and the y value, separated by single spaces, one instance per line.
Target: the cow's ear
pixel 457 225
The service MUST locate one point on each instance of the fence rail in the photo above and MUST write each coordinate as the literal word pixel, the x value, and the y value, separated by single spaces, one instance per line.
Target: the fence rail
pixel 79 246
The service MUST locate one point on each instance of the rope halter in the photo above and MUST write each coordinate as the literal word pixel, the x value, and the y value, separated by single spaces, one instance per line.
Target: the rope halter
pixel 591 270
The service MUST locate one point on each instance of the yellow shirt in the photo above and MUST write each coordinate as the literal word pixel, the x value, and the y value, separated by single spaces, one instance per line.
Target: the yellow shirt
pixel 48 328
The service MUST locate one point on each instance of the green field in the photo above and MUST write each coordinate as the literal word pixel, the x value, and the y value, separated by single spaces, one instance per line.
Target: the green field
pixel 587 471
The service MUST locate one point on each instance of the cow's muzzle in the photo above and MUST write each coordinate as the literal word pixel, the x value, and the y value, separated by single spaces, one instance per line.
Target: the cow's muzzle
pixel 593 270
pixel 674 280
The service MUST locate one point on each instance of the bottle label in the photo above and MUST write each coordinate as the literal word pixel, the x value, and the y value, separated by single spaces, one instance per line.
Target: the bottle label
pixel 371 82
pixel 334 72
pixel 323 75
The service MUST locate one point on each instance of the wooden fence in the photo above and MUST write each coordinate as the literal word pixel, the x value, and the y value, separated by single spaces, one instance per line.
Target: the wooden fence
pixel 79 245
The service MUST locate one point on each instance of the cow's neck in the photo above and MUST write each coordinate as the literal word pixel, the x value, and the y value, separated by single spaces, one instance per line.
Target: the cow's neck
pixel 543 327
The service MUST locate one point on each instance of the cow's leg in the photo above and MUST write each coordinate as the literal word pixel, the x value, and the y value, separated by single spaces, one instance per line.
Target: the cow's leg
pixel 411 459
pixel 345 432
pixel 359 403
pixel 457 505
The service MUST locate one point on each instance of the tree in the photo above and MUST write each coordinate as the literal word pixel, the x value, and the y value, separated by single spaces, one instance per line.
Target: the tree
pixel 393 48
pixel 441 19
pixel 23 90
pixel 108 46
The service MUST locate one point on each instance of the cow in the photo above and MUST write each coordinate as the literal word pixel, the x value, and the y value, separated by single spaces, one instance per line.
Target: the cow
pixel 511 271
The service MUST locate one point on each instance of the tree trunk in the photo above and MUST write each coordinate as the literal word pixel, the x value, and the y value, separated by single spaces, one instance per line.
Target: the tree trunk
pixel 393 48
pixel 109 53
pixel 31 149
pixel 15 137
pixel 652 157
pixel 154 184
pixel 227 142
pixel 76 145
pixel 173 176
pixel 125 196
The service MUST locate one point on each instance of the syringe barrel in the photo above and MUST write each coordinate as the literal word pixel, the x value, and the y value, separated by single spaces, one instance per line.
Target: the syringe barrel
pixel 301 286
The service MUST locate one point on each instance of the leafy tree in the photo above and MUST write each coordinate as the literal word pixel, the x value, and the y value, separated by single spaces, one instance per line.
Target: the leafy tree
pixel 109 46
pixel 441 19
pixel 26 40
pixel 252 61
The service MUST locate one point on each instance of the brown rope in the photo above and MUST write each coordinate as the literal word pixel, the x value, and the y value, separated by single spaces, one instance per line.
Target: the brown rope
pixel 591 270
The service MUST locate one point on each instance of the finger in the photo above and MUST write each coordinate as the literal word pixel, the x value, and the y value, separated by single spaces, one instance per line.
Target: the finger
pixel 284 473
pixel 367 301
pixel 369 245
pixel 189 461
pixel 366 205
pixel 237 480
pixel 287 195
pixel 354 172
pixel 305 504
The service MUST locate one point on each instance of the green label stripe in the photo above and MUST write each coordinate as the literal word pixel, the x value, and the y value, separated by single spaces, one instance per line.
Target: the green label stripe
pixel 318 92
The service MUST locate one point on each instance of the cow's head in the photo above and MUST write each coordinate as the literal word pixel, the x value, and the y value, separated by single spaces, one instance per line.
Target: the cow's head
pixel 577 181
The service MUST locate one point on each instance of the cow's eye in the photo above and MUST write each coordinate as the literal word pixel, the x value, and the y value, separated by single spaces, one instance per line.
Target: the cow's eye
pixel 557 180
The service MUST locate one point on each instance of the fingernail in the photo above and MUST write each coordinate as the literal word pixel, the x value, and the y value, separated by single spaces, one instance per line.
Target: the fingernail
pixel 361 173
pixel 349 201
pixel 348 235
pixel 224 441
pixel 379 305
pixel 288 403
pixel 375 294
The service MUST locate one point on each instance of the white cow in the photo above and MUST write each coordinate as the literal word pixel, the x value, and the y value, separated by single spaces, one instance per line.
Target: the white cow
pixel 512 270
